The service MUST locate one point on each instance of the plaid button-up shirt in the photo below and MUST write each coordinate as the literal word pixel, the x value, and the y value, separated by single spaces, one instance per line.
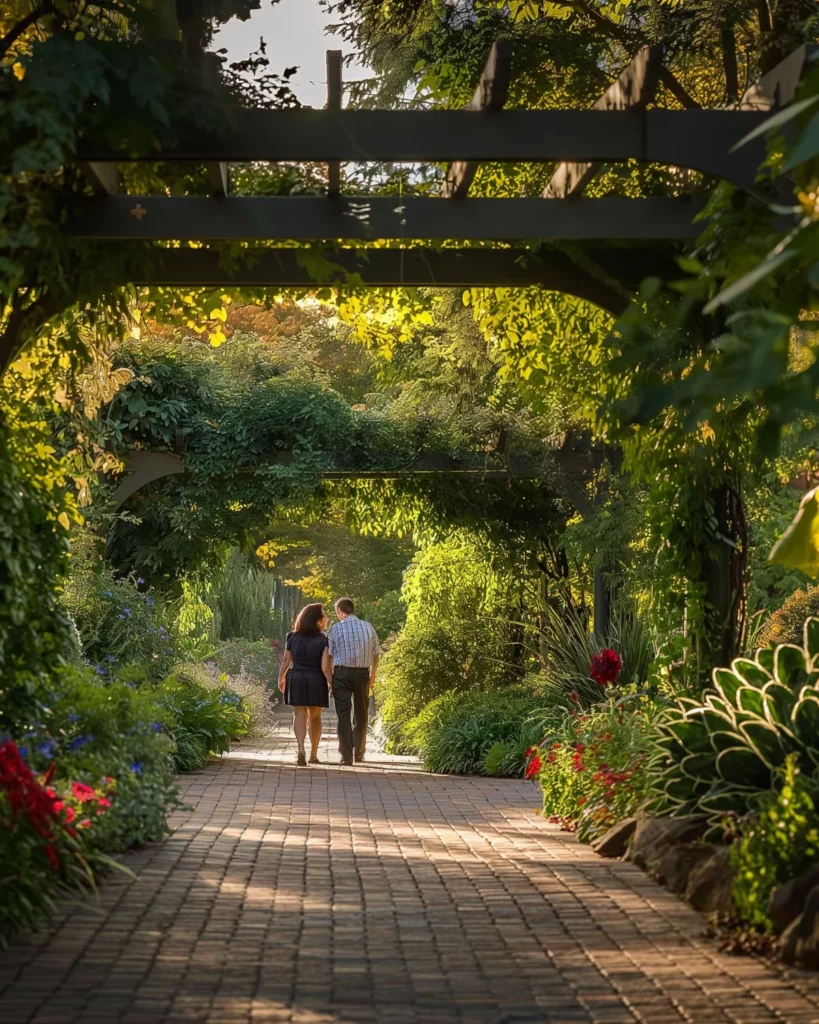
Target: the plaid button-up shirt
pixel 353 643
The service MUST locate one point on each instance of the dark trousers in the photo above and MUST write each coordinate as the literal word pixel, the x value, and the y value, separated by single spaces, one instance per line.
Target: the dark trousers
pixel 351 690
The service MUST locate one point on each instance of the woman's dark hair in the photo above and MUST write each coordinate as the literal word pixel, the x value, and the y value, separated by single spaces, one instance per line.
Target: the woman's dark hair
pixel 309 618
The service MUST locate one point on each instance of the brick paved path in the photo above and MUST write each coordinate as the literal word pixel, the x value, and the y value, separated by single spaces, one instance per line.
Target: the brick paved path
pixel 381 894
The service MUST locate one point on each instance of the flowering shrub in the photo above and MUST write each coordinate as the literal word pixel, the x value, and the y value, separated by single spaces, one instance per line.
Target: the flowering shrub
pixel 590 764
pixel 40 844
pixel 125 632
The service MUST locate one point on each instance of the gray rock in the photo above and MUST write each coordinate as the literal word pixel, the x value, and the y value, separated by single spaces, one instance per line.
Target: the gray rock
pixel 678 864
pixel 786 901
pixel 800 941
pixel 653 837
pixel 614 843
pixel 710 887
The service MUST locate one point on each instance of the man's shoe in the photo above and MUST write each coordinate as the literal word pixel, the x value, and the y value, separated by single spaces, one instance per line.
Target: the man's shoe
pixel 346 764
pixel 301 761
pixel 359 758
pixel 314 759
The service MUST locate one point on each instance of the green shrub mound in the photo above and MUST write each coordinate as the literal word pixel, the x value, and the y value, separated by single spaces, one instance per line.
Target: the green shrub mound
pixel 786 625
pixel 718 756
pixel 476 733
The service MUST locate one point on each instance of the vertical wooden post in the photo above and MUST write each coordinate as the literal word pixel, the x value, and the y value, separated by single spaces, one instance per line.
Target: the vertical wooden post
pixel 334 95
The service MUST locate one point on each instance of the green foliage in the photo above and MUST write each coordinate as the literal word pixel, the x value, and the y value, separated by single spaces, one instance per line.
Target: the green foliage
pixel 463 733
pixel 787 624
pixel 719 755
pixel 35 633
pixel 257 658
pixel 777 843
pixel 591 765
pixel 201 721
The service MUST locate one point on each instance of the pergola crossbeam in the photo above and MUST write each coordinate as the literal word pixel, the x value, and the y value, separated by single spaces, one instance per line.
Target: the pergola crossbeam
pixel 607 279
pixel 268 218
pixel 633 90
pixel 489 98
pixel 702 140
pixel 102 177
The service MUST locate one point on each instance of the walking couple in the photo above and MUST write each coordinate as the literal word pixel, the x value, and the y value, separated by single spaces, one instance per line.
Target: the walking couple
pixel 319 663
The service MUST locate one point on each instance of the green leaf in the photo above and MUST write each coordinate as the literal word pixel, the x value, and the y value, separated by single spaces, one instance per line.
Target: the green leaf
pixel 727 683
pixel 773 261
pixel 742 766
pixel 749 672
pixel 764 740
pixel 790 667
pixel 777 120
pixel 811 637
pixel 798 547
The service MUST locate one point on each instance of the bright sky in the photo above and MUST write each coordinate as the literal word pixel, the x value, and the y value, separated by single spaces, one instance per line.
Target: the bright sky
pixel 294 33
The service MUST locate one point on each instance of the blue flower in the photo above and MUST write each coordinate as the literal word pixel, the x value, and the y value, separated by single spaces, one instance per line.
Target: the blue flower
pixel 136 767
pixel 79 741
pixel 156 726
pixel 163 633
pixel 140 579
pixel 110 657
pixel 23 751
pixel 46 748
pixel 126 611
pixel 99 670
pixel 73 718
pixel 149 601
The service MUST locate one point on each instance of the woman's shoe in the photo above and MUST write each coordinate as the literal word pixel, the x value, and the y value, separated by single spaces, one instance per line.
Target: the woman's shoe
pixel 301 760
pixel 314 759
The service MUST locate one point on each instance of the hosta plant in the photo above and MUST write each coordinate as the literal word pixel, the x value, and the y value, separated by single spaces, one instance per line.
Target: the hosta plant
pixel 717 756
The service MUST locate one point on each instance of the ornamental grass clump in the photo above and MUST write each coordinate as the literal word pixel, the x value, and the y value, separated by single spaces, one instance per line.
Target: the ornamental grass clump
pixel 719 755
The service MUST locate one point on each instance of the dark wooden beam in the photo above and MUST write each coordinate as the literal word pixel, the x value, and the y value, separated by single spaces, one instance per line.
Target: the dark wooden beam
pixel 102 177
pixel 218 177
pixel 489 97
pixel 778 87
pixel 608 278
pixel 633 90
pixel 191 218
pixel 574 466
pixel 702 140
pixel 334 99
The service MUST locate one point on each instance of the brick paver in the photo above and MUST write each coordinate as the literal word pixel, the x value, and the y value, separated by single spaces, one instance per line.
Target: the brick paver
pixel 380 894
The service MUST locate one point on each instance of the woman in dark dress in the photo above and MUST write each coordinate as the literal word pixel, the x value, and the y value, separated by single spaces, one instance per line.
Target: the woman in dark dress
pixel 306 678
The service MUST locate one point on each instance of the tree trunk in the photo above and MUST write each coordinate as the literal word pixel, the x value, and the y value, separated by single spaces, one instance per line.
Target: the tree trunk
pixel 724 563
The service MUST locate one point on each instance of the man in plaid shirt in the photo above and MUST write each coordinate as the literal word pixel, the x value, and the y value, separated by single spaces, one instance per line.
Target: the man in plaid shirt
pixel 354 651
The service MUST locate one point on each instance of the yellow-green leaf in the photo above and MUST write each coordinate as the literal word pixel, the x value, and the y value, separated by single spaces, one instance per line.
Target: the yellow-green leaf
pixel 62 519
pixel 798 547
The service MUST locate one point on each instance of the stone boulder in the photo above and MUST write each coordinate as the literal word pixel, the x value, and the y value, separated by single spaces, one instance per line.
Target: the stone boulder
pixel 800 941
pixel 786 901
pixel 654 837
pixel 614 843
pixel 710 887
pixel 679 862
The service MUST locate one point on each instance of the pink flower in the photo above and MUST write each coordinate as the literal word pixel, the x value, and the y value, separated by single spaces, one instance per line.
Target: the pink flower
pixel 82 792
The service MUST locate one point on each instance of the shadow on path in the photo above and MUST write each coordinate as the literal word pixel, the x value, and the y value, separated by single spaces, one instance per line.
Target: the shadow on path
pixel 380 893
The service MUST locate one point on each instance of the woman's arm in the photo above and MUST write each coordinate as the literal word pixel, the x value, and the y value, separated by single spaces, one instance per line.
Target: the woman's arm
pixel 287 661
pixel 327 668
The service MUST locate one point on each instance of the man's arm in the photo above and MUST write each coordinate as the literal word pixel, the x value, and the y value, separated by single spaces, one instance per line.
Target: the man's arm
pixel 375 658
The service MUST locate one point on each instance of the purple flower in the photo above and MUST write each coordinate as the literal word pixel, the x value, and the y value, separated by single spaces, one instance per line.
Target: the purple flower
pixel 110 657
pixel 99 670
pixel 46 748
pixel 156 726
pixel 136 767
pixel 140 579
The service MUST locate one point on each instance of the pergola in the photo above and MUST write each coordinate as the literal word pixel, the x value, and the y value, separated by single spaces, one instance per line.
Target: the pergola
pixel 506 242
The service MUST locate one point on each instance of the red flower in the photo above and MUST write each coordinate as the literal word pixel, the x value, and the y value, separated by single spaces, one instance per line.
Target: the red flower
pixel 582 800
pixel 579 747
pixel 534 766
pixel 575 696
pixel 82 792
pixel 69 815
pixel 53 859
pixel 103 803
pixel 607 738
pixel 552 757
pixel 605 667
pixel 557 745
pixel 85 823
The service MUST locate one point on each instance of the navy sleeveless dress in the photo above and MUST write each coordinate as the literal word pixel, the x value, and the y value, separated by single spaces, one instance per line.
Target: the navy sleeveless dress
pixel 305 685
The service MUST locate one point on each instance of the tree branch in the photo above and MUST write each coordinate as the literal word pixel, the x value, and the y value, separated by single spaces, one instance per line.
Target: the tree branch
pixel 729 62
pixel 11 37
